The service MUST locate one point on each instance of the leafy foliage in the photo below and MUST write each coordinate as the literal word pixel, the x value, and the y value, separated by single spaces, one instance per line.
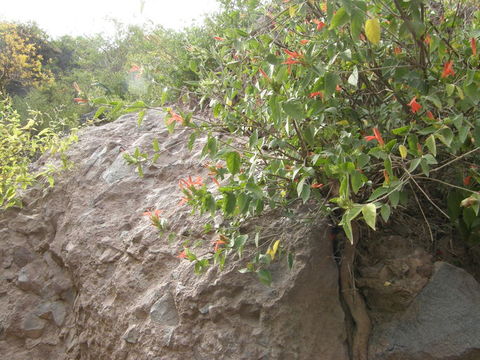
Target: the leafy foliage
pixel 19 145
pixel 368 104
pixel 20 59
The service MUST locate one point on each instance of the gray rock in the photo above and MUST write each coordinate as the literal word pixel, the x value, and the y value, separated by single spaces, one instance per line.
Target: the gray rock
pixel 131 335
pixel 442 323
pixel 22 256
pixel 55 311
pixel 32 277
pixel 28 224
pixel 164 311
pixel 33 326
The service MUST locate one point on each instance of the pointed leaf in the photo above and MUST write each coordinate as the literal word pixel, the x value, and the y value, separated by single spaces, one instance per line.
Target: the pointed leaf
pixel 233 162
pixel 369 212
pixel 372 30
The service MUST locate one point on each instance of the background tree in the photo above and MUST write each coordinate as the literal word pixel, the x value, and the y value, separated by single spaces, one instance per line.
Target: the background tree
pixel 22 64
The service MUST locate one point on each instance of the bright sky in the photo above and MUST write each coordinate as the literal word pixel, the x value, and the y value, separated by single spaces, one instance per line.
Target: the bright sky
pixel 87 17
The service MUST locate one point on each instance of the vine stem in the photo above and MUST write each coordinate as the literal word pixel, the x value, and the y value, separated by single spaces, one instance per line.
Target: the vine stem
pixel 456 159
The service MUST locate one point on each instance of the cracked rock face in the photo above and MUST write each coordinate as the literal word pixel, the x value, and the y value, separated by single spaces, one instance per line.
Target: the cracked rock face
pixel 85 276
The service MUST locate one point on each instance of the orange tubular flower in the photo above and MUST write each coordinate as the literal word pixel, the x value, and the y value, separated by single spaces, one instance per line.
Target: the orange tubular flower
pixel 448 69
pixel 473 45
pixel 175 117
pixel 215 181
pixel 264 74
pixel 217 244
pixel 292 54
pixel 427 40
pixel 430 115
pixel 134 68
pixel 189 182
pixel 397 50
pixel 320 24
pixel 316 186
pixel 182 255
pixel 414 105
pixel 155 213
pixel 218 38
pixel 291 61
pixel 304 41
pixel 316 94
pixel 467 180
pixel 376 136
pixel 80 100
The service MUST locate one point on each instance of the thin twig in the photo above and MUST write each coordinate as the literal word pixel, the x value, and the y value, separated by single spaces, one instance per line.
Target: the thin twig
pixel 423 214
pixel 456 159
pixel 429 199
pixel 445 183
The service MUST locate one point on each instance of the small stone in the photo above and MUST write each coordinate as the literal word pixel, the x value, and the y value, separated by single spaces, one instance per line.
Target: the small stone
pixel 164 311
pixel 33 326
pixel 131 335
pixel 22 256
pixel 59 312
pixel 31 277
pixel 55 311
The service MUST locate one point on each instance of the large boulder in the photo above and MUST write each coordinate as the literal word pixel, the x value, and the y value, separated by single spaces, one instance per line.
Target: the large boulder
pixel 85 275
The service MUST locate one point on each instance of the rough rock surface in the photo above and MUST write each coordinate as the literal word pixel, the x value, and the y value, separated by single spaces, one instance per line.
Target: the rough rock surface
pixel 441 323
pixel 85 276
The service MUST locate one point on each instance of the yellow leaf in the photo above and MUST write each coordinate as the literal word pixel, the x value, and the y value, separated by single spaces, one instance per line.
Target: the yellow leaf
pixel 292 10
pixel 372 30
pixel 273 250
pixel 403 151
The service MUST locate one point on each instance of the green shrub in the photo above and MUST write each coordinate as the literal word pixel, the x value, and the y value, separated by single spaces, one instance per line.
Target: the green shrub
pixel 20 143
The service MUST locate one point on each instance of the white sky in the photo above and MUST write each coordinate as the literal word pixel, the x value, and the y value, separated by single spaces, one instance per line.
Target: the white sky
pixel 87 17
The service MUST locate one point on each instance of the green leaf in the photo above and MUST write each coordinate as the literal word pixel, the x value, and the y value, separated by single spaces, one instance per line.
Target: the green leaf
pixel 369 212
pixel 353 78
pixel 211 146
pixel 156 146
pixel 445 135
pixel 357 181
pixel 347 227
pixel 340 18
pixel 394 198
pixel 385 212
pixel 290 261
pixel 303 190
pixel 357 19
pixel 377 193
pixel 229 202
pixel 233 162
pixel 255 189
pixel 253 139
pixel 331 82
pixel 294 109
pixel 401 130
pixel 430 142
pixel 264 276
pixel 414 164
pixel 450 88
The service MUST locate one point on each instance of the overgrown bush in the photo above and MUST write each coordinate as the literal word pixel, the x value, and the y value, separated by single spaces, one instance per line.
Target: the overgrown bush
pixel 360 106
pixel 20 143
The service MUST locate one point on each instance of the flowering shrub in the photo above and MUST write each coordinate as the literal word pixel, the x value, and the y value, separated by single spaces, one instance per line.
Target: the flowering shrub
pixel 307 83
